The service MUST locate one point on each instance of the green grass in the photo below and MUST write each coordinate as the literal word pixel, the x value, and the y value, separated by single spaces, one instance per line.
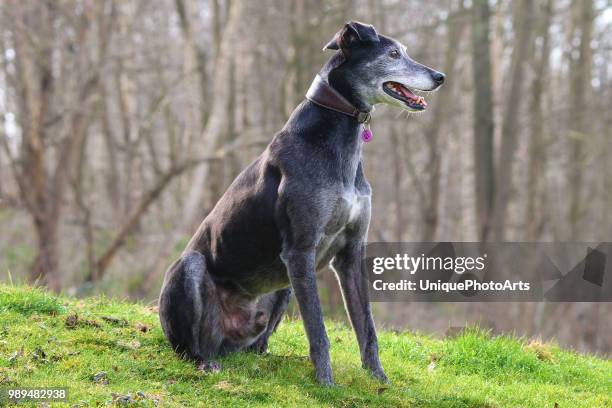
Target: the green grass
pixel 42 343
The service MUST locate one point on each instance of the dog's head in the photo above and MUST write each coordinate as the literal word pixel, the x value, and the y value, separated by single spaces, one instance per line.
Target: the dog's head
pixel 373 69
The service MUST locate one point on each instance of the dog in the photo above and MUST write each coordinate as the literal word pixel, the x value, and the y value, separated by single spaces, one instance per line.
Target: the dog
pixel 301 205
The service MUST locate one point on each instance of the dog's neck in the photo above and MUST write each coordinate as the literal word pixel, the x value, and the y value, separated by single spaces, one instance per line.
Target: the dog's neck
pixel 335 133
pixel 332 73
pixel 333 136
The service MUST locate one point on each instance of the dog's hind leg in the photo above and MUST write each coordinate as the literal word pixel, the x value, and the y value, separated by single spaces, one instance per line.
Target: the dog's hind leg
pixel 190 312
pixel 275 305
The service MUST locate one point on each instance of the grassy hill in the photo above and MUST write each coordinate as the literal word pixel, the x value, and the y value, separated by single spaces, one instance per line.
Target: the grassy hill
pixel 109 352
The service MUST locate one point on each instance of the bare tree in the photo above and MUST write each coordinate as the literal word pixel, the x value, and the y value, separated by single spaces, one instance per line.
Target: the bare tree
pixel 42 172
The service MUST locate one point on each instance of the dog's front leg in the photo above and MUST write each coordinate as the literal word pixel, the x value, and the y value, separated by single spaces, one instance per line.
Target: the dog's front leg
pixel 301 269
pixel 354 285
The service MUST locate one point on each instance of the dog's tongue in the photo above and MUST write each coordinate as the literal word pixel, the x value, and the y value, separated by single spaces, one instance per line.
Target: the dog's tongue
pixel 408 94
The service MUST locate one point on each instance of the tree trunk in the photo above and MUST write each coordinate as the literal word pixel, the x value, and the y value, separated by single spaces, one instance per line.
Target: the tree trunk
pixel 46 156
pixel 503 184
pixel 441 109
pixel 483 117
pixel 194 65
pixel 44 269
pixel 36 86
pixel 536 150
pixel 580 74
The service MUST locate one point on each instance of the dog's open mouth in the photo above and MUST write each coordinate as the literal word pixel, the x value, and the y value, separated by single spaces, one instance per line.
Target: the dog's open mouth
pixel 399 91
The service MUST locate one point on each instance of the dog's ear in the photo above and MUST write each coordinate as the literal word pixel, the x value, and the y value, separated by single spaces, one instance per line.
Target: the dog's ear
pixel 332 44
pixel 352 34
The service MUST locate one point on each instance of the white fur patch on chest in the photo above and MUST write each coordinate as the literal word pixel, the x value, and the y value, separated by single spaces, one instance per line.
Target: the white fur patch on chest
pixel 356 205
pixel 349 210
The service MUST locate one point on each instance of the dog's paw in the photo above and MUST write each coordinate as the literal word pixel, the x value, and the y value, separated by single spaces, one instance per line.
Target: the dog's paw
pixel 380 376
pixel 210 367
pixel 259 347
pixel 259 351
pixel 326 379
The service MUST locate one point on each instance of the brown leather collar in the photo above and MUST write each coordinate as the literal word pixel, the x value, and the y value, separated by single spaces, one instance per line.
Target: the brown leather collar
pixel 322 94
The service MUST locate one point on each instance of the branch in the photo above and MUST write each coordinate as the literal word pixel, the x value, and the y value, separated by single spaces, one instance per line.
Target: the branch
pixel 149 198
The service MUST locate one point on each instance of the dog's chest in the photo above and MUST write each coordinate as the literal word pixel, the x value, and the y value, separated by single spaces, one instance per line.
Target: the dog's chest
pixel 347 215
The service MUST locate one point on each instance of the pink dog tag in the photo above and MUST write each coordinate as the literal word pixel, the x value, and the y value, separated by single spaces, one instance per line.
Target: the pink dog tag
pixel 366 135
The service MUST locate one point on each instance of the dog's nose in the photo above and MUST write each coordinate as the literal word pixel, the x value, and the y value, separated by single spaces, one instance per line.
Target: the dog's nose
pixel 438 77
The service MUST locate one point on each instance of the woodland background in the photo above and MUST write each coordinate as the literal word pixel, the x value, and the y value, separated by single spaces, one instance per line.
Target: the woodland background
pixel 122 122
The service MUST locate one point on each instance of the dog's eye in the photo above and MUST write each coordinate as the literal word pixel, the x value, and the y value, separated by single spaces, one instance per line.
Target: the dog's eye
pixel 394 54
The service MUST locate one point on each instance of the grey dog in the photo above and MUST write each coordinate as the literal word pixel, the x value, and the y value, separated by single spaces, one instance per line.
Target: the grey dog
pixel 302 204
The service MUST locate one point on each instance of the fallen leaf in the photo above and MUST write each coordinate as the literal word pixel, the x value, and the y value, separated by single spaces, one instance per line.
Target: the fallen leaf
pixel 13 357
pixel 91 323
pixel 132 345
pixel 100 378
pixel 115 321
pixel 71 321
pixel 224 385
pixel 142 327
pixel 121 400
pixel 39 354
